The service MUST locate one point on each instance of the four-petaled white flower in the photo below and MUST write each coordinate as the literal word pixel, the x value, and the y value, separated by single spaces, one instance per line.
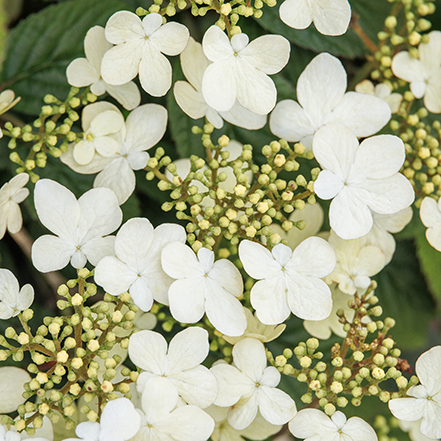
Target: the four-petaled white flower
pixel 423 74
pixel 330 17
pixel 190 99
pixel 240 70
pixel 161 419
pixel 120 421
pixel 204 286
pixel 314 425
pixel 359 178
pixel 382 91
pixel 83 72
pixel 425 403
pixel 289 281
pixel 140 46
pixel 430 213
pixel 13 300
pixel 11 194
pixel 12 381
pixel 250 386
pixel 180 364
pixel 136 266
pixel 321 93
pixel 81 226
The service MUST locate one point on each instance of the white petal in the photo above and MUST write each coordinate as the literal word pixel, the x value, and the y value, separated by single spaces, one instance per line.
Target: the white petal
pixel 171 38
pixel 25 297
pixel 427 370
pixel 50 253
pixel 12 380
pixel 430 213
pixel 250 358
pixel 97 248
pixel 310 422
pixel 187 300
pixel 80 73
pixel 333 17
pixel 408 409
pixel 126 94
pixel 193 63
pixel 356 427
pixel 155 73
pixel 276 406
pixel 408 68
pixel 142 294
pixel 296 13
pixel 219 85
pixel 242 414
pixel 83 152
pixel 241 117
pixel 95 46
pixel 88 430
pixel 180 261
pixel 123 26
pixel 147 349
pixel 216 44
pixel 257 261
pixel 120 421
pixel 151 23
pixel 113 275
pixel 189 100
pixel 159 398
pixel 328 185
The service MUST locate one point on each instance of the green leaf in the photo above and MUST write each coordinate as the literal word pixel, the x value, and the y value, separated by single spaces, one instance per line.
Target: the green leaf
pixel 41 47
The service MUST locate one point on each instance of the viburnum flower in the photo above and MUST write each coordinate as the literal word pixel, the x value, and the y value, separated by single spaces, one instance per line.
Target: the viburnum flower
pixel 140 46
pixel 81 226
pixel 423 74
pixel 11 194
pixel 357 262
pixel 359 178
pixel 315 425
pixel 180 363
pixel 329 17
pixel 250 386
pixel 190 99
pixel 144 127
pixel 100 128
pixel 204 286
pixel 382 91
pixel 322 99
pixel 161 419
pixel 430 213
pixel 259 429
pixel 136 266
pixel 119 421
pixel 240 70
pixel 13 300
pixel 12 381
pixel 83 72
pixel 425 401
pixel 289 281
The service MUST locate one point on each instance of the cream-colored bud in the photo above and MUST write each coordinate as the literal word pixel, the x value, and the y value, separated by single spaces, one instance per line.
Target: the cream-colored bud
pixel 117 316
pixel 42 378
pixel 329 409
pixel 77 300
pixel 305 362
pixel 378 373
pixel 75 389
pixel 107 386
pixel 279 160
pixel 23 338
pixel 62 357
pixel 54 328
pixel 401 382
pixel 76 363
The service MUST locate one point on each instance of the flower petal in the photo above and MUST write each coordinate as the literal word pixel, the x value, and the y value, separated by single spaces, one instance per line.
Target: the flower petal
pixel 147 350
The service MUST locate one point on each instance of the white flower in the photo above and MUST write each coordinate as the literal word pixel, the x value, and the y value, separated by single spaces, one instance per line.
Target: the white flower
pixel 314 425
pixel 180 364
pixel 240 70
pixel 423 74
pixel 144 127
pixel 190 99
pixel 136 266
pixel 331 17
pixel 204 286
pixel 119 421
pixel 382 91
pixel 430 213
pixel 359 178
pixel 12 381
pixel 99 129
pixel 259 429
pixel 250 386
pixel 140 46
pixel 425 403
pixel 161 420
pixel 13 300
pixel 321 93
pixel 80 226
pixel 413 430
pixel 11 194
pixel 83 72
pixel 289 281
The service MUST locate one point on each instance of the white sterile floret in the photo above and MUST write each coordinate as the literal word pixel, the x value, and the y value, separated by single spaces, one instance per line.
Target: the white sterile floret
pixel 81 226
pixel 250 386
pixel 163 420
pixel 136 266
pixel 315 425
pixel 204 286
pixel 120 421
pixel 430 213
pixel 289 281
pixel 423 74
pixel 13 300
pixel 425 401
pixel 259 429
pixel 240 70
pixel 11 194
pixel 190 99
pixel 83 72
pixel 180 363
pixel 330 17
pixel 382 91
pixel 359 178
pixel 144 127
pixel 100 129
pixel 140 46
pixel 357 262
pixel 322 99
pixel 12 381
